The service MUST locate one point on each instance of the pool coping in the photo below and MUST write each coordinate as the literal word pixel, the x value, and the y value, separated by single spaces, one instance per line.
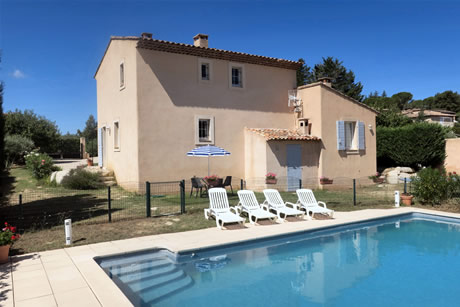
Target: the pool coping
pixel 87 279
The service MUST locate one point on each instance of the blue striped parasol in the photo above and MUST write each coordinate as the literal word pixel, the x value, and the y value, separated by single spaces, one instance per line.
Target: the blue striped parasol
pixel 208 151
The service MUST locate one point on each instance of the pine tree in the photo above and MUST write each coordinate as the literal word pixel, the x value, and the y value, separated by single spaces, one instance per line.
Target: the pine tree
pixel 303 73
pixel 343 79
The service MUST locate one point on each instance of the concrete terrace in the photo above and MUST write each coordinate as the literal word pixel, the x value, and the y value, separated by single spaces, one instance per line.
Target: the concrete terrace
pixel 70 276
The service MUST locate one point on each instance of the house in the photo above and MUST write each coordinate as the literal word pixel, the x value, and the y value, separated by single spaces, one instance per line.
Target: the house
pixel 157 100
pixel 442 117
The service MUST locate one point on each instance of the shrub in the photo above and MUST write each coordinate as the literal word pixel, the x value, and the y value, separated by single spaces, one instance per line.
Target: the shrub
pixel 411 145
pixel 15 148
pixel 41 165
pixel 432 186
pixel 79 179
pixel 69 146
pixel 43 132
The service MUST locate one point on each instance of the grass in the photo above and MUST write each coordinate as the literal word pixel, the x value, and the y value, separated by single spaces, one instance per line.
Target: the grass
pixel 46 207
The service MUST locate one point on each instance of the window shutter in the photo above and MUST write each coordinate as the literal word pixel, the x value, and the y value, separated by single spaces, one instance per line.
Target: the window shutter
pixel 99 147
pixel 340 135
pixel 361 136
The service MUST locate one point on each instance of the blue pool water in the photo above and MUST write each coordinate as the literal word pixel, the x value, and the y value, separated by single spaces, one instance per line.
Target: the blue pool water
pixel 410 260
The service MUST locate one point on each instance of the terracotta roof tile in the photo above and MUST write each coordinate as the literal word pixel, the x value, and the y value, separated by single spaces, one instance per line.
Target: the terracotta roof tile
pixel 272 134
pixel 165 46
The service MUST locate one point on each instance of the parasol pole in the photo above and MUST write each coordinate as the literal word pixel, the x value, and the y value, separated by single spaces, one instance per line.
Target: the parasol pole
pixel 208 165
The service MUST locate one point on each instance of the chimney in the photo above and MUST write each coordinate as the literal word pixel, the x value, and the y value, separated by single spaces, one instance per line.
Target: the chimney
pixel 326 81
pixel 146 35
pixel 200 40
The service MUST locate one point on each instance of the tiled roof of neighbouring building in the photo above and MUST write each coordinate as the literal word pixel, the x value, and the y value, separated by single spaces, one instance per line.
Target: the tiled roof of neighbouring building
pixel 273 134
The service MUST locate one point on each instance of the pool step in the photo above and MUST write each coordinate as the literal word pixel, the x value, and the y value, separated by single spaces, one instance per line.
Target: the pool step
pixel 147 273
pixel 156 281
pixel 154 294
pixel 130 268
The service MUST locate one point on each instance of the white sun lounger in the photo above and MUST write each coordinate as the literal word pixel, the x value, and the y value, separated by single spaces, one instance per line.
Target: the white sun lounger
pixel 219 208
pixel 249 204
pixel 307 201
pixel 274 202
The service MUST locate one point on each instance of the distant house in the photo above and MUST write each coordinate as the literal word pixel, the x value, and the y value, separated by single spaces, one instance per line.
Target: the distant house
pixel 442 117
pixel 157 100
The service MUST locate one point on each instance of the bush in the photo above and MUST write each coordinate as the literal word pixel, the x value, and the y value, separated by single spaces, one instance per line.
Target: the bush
pixel 41 165
pixel 43 132
pixel 432 186
pixel 15 148
pixel 69 146
pixel 79 179
pixel 411 145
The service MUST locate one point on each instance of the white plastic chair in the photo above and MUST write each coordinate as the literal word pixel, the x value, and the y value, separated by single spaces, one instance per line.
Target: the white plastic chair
pixel 249 204
pixel 273 201
pixel 220 209
pixel 308 202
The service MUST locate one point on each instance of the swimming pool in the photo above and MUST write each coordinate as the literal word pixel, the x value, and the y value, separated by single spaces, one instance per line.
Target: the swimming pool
pixel 410 259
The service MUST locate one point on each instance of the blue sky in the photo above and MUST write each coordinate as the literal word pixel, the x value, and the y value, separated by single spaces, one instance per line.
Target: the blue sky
pixel 51 49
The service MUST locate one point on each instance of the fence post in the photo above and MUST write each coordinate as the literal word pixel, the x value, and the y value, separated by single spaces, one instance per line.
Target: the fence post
pixel 300 183
pixel 148 212
pixel 241 184
pixel 354 192
pixel 109 202
pixel 182 196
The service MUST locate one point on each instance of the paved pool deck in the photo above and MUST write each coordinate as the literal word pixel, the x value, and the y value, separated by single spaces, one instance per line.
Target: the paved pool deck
pixel 70 276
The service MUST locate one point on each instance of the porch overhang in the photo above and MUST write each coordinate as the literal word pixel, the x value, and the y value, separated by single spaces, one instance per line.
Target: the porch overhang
pixel 274 134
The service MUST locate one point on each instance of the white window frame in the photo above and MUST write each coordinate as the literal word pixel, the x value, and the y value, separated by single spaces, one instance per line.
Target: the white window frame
pixel 232 65
pixel 197 129
pixel 116 135
pixel 122 77
pixel 354 141
pixel 202 61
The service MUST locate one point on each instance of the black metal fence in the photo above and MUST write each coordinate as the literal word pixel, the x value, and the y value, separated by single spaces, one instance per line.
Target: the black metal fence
pixel 50 206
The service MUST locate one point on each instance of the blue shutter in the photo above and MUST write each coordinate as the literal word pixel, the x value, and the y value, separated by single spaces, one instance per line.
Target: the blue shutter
pixel 361 136
pixel 99 147
pixel 340 135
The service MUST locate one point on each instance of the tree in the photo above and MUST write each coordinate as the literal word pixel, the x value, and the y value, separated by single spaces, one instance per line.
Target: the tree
pixel 2 129
pixel 402 99
pixel 447 100
pixel 43 132
pixel 303 73
pixel 392 118
pixel 90 134
pixel 343 80
pixel 90 131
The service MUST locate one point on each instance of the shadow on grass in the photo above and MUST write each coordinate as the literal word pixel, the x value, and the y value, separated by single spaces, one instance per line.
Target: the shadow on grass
pixel 50 212
pixel 6 187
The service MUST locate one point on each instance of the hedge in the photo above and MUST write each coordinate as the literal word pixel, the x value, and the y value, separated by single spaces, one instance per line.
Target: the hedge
pixel 411 145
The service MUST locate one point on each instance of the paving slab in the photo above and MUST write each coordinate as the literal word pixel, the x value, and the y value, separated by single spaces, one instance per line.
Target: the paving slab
pixel 71 277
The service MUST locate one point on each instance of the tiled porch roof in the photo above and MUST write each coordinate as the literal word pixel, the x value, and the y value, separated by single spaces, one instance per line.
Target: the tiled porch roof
pixel 272 134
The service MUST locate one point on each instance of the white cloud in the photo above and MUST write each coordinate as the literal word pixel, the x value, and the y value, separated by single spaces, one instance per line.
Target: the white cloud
pixel 18 74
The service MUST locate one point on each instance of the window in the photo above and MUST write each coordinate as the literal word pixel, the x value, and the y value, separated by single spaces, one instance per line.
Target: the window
pixel 351 135
pixel 204 130
pixel 237 77
pixel 350 140
pixel 122 75
pixel 116 136
pixel 204 71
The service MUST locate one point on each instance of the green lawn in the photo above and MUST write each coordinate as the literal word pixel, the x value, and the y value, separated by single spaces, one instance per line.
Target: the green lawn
pixel 46 207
